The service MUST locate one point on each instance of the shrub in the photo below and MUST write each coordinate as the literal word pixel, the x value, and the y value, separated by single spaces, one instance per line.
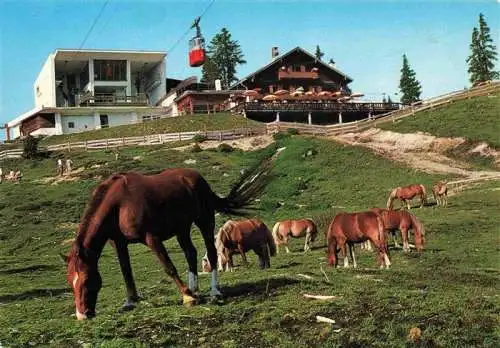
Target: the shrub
pixel 293 131
pixel 196 148
pixel 280 136
pixel 225 148
pixel 30 147
pixel 199 138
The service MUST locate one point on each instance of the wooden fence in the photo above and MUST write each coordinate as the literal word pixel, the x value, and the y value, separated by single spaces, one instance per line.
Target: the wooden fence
pixel 12 153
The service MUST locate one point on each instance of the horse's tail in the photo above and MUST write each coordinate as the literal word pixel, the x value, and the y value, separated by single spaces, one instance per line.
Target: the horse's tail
pixel 276 234
pixel 418 228
pixel 243 193
pixel 391 198
pixel 424 194
pixel 95 205
pixel 270 241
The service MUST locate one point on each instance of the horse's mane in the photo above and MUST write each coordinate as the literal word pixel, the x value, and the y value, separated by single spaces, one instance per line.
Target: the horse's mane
pixel 97 197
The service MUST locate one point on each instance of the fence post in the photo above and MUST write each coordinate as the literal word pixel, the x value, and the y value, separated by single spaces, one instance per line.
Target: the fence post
pixel 86 146
pixel 107 143
pixel 69 146
pixel 160 138
pixel 220 136
pixel 123 141
pixel 180 136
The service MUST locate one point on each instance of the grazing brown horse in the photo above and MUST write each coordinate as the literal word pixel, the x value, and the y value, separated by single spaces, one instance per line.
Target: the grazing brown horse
pixel 356 228
pixel 294 228
pixel 240 237
pixel 403 221
pixel 406 194
pixel 440 193
pixel 135 208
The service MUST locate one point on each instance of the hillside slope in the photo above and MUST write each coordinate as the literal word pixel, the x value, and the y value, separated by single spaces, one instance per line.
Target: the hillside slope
pixel 476 119
pixel 442 292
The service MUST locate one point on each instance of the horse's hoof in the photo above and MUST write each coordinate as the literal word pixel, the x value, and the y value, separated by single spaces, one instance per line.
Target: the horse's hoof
pixel 127 306
pixel 188 300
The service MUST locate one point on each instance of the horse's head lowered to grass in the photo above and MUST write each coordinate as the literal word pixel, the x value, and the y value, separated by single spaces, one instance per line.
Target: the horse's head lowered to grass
pixel 85 281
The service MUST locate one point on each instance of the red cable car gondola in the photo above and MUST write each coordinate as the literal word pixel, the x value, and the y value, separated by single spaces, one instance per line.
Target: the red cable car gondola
pixel 197 47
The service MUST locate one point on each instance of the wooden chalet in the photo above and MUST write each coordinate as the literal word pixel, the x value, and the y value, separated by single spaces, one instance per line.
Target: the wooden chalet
pixel 306 89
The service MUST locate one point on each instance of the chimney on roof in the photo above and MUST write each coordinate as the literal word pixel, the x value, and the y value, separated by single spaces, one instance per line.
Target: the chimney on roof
pixel 274 52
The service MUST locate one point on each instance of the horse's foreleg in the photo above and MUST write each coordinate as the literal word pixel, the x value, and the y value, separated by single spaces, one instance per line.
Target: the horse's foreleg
pixel 351 251
pixel 404 237
pixel 191 255
pixel 242 253
pixel 344 255
pixel 124 260
pixel 159 249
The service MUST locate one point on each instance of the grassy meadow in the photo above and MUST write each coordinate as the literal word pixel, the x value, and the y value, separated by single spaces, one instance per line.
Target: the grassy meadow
pixel 450 291
pixel 189 123
pixel 475 119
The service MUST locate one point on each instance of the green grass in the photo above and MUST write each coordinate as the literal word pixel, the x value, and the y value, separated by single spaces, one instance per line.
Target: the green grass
pixel 219 121
pixel 450 291
pixel 476 119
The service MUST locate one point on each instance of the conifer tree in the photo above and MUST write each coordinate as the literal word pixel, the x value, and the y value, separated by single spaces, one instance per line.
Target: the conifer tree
pixel 408 84
pixel 483 54
pixel 319 54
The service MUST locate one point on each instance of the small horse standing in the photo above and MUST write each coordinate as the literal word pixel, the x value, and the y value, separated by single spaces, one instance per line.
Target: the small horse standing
pixel 294 228
pixel 356 228
pixel 240 237
pixel 440 193
pixel 135 208
pixel 403 221
pixel 406 194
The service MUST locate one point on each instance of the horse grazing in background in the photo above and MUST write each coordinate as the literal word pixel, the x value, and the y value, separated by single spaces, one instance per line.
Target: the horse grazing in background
pixel 406 194
pixel 294 228
pixel 135 208
pixel 239 237
pixel 403 221
pixel 351 228
pixel 440 193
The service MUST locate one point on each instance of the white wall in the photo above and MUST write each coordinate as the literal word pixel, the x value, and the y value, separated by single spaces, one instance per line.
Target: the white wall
pixel 120 119
pixel 169 102
pixel 157 74
pixel 44 87
pixel 80 122
pixel 44 131
pixel 15 132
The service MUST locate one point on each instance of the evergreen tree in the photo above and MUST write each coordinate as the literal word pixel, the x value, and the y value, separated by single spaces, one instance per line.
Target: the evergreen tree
pixel 331 61
pixel 209 72
pixel 408 84
pixel 319 54
pixel 224 55
pixel 389 101
pixel 483 54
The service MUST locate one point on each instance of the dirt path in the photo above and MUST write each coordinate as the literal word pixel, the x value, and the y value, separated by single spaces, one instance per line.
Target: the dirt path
pixel 421 151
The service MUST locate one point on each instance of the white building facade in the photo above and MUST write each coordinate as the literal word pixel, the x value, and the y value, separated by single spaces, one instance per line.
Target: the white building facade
pixel 80 90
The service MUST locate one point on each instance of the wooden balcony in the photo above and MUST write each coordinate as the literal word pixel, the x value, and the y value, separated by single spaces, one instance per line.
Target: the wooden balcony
pixel 285 74
pixel 319 107
pixel 139 99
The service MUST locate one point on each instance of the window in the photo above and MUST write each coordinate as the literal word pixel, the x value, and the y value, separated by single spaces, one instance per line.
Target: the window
pixel 71 124
pixel 104 121
pixel 110 70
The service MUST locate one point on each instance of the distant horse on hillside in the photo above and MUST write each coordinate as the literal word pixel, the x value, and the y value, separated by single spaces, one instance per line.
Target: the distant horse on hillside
pixel 295 228
pixel 135 208
pixel 440 193
pixel 356 228
pixel 239 237
pixel 406 194
pixel 403 221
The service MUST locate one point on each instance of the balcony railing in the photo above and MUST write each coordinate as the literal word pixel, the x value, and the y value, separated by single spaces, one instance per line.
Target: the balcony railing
pixel 297 75
pixel 320 107
pixel 111 99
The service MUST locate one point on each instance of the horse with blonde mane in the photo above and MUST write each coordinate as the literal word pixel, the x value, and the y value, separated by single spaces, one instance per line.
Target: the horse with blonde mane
pixel 134 208
pixel 240 237
pixel 351 228
pixel 406 194
pixel 440 193
pixel 403 221
pixel 294 228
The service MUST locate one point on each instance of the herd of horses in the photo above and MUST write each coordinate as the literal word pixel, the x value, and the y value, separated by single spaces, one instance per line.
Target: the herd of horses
pixel 149 209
